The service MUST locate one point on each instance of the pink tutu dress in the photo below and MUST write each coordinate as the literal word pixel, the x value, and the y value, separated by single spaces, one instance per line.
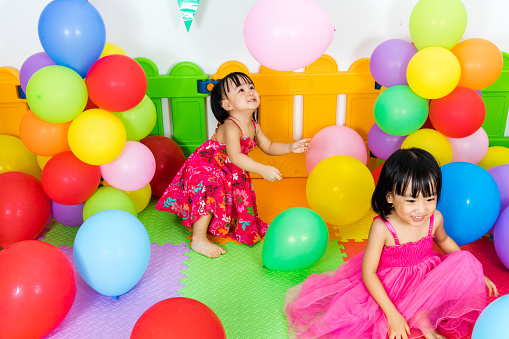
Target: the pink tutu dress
pixel 431 292
pixel 208 181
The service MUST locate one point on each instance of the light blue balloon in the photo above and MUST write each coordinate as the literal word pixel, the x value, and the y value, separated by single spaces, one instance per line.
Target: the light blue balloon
pixel 492 323
pixel 470 201
pixel 72 33
pixel 111 251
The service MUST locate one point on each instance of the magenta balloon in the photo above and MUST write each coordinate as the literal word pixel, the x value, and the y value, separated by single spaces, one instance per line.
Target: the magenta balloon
pixel 68 215
pixel 389 61
pixel 31 65
pixel 501 237
pixel 382 144
pixel 501 175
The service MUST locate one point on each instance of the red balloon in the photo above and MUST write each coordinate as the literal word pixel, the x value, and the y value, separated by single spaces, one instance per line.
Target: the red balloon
pixel 178 318
pixel 68 180
pixel 169 159
pixel 116 83
pixel 376 173
pixel 24 209
pixel 37 289
pixel 459 114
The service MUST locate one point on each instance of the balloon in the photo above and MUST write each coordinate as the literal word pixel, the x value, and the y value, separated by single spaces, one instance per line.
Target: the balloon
pixel 42 137
pixel 56 94
pixel 108 198
pixel 141 197
pixel 111 251
pixel 288 34
pixel 37 289
pixel 389 61
pixel 132 170
pixel 31 65
pixel 376 173
pixel 470 149
pixel 399 111
pixel 481 62
pixel 296 239
pixel 72 33
pixel 470 201
pixel 492 323
pixel 339 189
pixel 110 48
pixel 116 83
pixel 68 215
pixel 42 161
pixel 169 159
pixel 433 72
pixel 459 114
pixel 140 120
pixel 437 23
pixel 68 180
pixel 175 318
pixel 381 144
pixel 501 237
pixel 335 140
pixel 97 137
pixel 495 156
pixel 501 175
pixel 14 156
pixel 431 141
pixel 24 208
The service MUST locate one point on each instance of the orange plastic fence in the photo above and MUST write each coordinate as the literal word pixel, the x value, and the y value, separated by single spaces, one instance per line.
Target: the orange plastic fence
pixel 12 107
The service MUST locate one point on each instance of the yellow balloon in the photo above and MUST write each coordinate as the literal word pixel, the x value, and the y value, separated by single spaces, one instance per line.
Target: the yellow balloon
pixel 141 197
pixel 496 155
pixel 433 72
pixel 432 141
pixel 42 161
pixel 339 189
pixel 110 48
pixel 14 156
pixel 97 137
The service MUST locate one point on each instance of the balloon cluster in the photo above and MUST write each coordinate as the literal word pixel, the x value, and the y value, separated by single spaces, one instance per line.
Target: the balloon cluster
pixel 439 67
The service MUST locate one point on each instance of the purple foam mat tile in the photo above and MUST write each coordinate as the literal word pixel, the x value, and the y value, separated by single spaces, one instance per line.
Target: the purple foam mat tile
pixel 94 315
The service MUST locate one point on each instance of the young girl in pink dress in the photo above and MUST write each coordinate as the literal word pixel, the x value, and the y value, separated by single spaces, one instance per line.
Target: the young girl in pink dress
pixel 213 190
pixel 398 287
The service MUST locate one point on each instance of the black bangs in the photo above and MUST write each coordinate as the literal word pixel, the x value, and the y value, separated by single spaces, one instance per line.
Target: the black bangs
pixel 420 179
pixel 234 80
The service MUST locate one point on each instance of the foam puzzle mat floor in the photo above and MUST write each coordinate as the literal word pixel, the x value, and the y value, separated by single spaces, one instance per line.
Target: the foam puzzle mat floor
pixel 247 298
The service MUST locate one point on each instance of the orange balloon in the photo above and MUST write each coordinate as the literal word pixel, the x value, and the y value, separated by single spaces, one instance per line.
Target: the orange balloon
pixel 481 62
pixel 42 137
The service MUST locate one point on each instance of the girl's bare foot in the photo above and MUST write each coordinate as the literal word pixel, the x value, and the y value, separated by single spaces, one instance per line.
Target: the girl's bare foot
pixel 207 248
pixel 434 335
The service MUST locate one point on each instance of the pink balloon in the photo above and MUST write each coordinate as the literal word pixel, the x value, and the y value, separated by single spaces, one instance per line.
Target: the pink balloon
pixel 286 35
pixel 335 140
pixel 132 170
pixel 470 149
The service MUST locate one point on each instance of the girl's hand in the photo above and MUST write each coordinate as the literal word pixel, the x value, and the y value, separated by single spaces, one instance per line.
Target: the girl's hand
pixel 271 174
pixel 491 287
pixel 300 146
pixel 398 327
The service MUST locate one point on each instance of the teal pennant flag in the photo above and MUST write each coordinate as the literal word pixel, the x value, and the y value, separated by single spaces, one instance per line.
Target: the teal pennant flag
pixel 188 9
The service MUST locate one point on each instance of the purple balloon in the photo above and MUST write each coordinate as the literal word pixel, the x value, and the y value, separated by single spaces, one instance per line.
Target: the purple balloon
pixel 479 92
pixel 68 215
pixel 382 144
pixel 501 237
pixel 32 65
pixel 389 62
pixel 501 175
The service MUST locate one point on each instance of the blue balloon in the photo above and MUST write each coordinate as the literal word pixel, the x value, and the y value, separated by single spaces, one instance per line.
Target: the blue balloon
pixel 111 251
pixel 470 201
pixel 492 323
pixel 72 33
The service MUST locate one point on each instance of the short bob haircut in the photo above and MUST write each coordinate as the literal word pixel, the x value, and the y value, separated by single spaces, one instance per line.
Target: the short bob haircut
pixel 220 92
pixel 412 166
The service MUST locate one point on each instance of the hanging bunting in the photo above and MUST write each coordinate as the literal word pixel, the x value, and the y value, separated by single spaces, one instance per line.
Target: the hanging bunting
pixel 188 9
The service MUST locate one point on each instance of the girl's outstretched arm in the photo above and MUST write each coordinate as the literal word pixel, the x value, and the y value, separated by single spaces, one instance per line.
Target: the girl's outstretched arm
pixel 278 148
pixel 398 327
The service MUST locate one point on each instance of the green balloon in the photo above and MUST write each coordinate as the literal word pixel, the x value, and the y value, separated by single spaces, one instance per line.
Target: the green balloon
pixel 296 239
pixel 437 23
pixel 108 198
pixel 56 94
pixel 140 120
pixel 399 111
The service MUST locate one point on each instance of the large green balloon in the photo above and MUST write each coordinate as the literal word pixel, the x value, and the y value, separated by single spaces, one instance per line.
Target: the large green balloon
pixel 296 239
pixel 108 198
pixel 140 120
pixel 399 111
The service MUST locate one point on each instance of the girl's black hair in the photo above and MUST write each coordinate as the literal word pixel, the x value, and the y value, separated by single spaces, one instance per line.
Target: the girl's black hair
pixel 220 91
pixel 410 166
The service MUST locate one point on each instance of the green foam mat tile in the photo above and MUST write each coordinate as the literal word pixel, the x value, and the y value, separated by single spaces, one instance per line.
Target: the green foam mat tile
pixel 162 227
pixel 61 235
pixel 246 297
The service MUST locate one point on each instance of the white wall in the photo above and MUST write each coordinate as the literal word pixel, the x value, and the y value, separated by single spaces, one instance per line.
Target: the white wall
pixel 154 29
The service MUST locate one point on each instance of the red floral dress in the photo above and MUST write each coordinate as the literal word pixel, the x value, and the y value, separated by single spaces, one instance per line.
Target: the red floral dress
pixel 208 181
